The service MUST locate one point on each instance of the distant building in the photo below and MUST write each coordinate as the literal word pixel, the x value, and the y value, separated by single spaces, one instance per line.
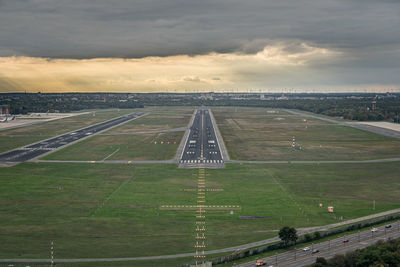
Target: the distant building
pixel 4 109
pixel 373 105
pixel 282 97
pixel 207 96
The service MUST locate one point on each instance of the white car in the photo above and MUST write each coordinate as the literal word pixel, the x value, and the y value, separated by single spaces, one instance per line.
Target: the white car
pixel 306 249
pixel 374 230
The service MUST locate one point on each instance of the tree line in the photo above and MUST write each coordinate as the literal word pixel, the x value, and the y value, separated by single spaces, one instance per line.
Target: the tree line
pixel 380 254
pixel 385 109
pixel 358 107
pixel 31 103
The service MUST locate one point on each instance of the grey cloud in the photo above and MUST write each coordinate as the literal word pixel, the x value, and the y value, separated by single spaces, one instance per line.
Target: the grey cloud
pixel 365 31
pixel 79 29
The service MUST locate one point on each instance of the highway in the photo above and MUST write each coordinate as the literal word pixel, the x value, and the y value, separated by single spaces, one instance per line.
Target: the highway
pixel 35 150
pixel 201 145
pixel 327 249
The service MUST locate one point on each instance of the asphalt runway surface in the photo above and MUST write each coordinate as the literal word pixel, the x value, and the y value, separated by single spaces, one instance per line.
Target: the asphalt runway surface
pixel 221 143
pixel 182 143
pixel 327 249
pixel 201 146
pixel 32 151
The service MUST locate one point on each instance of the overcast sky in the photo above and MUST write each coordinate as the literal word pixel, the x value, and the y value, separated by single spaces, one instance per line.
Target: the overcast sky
pixel 339 45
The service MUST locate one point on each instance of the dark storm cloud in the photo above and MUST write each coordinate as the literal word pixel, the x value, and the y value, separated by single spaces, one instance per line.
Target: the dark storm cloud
pixel 365 33
pixel 126 28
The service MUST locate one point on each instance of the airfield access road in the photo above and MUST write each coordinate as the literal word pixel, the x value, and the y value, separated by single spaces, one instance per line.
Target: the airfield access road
pixel 110 161
pixel 369 128
pixel 313 161
pixel 40 148
pixel 327 249
pixel 202 147
pixel 229 161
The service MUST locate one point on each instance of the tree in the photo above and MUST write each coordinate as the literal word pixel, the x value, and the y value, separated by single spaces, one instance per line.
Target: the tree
pixel 377 255
pixel 317 235
pixel 320 261
pixel 338 260
pixel 288 234
pixel 308 237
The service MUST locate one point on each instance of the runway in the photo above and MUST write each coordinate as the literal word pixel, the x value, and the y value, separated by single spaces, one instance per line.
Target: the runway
pixel 202 148
pixel 35 150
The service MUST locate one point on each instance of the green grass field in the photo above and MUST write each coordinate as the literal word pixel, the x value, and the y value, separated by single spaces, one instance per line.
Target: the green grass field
pixel 124 142
pixel 256 134
pixel 114 210
pixel 105 210
pixel 17 137
pixel 159 118
pixel 122 147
